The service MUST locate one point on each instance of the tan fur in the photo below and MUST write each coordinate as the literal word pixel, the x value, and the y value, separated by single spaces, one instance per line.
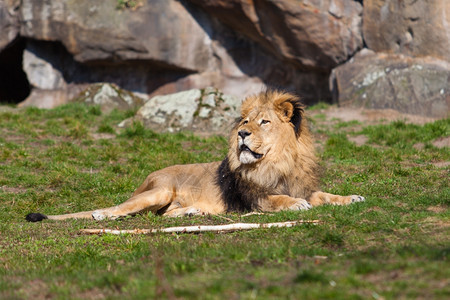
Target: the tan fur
pixel 278 162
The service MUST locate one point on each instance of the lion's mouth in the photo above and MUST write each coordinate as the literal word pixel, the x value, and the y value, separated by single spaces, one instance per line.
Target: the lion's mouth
pixel 245 148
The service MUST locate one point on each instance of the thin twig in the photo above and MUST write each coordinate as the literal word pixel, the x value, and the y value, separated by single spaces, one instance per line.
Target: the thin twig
pixel 200 228
pixel 225 218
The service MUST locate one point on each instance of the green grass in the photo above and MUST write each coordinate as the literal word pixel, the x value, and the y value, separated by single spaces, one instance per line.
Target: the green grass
pixel 394 245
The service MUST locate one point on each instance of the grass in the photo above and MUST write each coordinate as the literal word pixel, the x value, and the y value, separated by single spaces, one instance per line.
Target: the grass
pixel 395 245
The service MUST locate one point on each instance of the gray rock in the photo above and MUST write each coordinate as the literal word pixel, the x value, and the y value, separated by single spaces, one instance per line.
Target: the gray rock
pixel 109 97
pixel 418 86
pixel 204 112
pixel 41 73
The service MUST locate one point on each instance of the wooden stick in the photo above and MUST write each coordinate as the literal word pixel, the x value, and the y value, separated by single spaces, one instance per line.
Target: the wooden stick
pixel 253 213
pixel 200 228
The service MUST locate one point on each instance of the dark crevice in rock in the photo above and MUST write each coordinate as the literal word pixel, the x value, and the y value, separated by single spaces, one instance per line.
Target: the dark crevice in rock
pixel 14 85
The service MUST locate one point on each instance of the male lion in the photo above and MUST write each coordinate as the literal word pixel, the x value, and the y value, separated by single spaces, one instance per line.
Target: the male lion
pixel 270 166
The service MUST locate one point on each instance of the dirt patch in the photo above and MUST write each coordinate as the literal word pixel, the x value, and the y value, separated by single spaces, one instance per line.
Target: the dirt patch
pixel 36 289
pixel 437 209
pixel 92 294
pixel 347 114
pixel 12 137
pixel 12 190
pixel 442 142
pixel 435 225
pixel 419 146
pixel 359 140
pixel 441 164
pixel 103 136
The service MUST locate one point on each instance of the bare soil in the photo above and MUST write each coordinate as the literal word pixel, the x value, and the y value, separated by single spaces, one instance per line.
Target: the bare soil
pixel 373 116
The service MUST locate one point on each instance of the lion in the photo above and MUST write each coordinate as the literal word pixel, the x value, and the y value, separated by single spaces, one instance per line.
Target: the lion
pixel 270 166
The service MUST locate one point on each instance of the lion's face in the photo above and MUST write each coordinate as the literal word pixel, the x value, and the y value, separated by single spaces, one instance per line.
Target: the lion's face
pixel 256 135
pixel 266 128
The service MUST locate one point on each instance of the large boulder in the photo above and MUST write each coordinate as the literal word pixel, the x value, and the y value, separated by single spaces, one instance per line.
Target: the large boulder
pixel 98 31
pixel 203 111
pixel 42 71
pixel 418 86
pixel 416 28
pixel 312 34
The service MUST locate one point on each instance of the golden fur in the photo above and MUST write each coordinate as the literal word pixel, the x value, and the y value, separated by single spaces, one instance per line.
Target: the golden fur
pixel 270 166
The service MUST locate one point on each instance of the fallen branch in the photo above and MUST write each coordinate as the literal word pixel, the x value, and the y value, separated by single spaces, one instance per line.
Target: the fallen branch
pixel 200 228
pixel 253 213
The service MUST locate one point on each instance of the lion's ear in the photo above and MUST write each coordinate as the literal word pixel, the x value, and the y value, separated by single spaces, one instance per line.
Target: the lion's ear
pixel 292 109
pixel 287 109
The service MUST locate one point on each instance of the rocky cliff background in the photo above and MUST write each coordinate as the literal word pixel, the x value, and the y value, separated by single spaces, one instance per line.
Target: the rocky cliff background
pixel 371 53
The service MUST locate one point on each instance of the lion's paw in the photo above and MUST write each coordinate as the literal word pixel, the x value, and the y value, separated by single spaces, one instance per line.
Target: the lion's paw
pixel 184 212
pixel 357 198
pixel 192 211
pixel 300 204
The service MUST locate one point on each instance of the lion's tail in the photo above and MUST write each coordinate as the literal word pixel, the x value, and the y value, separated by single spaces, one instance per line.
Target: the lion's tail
pixel 37 217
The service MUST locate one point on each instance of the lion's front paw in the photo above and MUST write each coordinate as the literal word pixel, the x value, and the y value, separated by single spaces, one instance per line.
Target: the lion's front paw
pixel 300 204
pixel 357 198
pixel 192 211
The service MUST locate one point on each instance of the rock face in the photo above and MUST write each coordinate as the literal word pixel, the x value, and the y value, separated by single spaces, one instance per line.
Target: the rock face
pixel 412 85
pixel 165 46
pixel 9 22
pixel 205 112
pixel 416 28
pixel 52 50
pixel 99 31
pixel 311 34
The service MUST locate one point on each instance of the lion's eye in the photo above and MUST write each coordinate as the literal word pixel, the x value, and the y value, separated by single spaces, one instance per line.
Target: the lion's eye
pixel 265 122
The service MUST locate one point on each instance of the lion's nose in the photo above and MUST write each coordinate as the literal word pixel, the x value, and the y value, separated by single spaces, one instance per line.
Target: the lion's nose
pixel 244 133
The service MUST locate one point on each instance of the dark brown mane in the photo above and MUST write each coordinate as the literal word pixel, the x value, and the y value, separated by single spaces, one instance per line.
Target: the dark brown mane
pixel 238 194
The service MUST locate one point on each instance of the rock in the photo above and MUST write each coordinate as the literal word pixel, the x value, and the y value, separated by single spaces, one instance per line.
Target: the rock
pixel 41 73
pixel 415 28
pixel 50 98
pixel 419 86
pixel 317 34
pixel 240 47
pixel 313 34
pixel 203 111
pixel 9 22
pixel 109 97
pixel 99 31
pixel 166 46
